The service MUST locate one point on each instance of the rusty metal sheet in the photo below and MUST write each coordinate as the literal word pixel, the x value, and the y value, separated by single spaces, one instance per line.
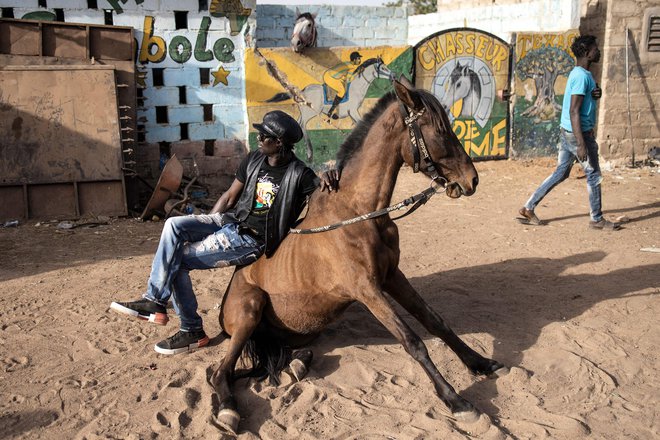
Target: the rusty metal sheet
pixel 60 139
pixel 64 41
pixel 59 124
pixel 111 44
pixel 12 203
pixel 168 184
pixel 52 201
pixel 20 38
pixel 101 198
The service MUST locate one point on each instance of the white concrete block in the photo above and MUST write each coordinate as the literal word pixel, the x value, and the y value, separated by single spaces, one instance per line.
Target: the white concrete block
pixel 86 16
pixel 185 113
pixel 206 130
pixel 162 133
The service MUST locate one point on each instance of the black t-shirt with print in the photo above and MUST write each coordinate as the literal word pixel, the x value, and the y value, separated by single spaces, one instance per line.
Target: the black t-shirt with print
pixel 268 185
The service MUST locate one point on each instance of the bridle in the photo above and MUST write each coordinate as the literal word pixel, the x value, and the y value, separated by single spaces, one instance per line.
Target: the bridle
pixel 418 145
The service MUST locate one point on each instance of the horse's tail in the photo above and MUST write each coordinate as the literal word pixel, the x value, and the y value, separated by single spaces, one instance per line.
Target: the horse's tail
pixel 283 96
pixel 267 354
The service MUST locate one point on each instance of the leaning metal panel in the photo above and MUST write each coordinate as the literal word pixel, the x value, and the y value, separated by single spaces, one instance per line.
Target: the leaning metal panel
pixel 60 125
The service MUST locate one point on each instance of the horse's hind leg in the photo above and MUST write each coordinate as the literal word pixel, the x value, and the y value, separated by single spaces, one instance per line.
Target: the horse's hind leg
pixel 240 316
pixel 400 289
pixel 385 313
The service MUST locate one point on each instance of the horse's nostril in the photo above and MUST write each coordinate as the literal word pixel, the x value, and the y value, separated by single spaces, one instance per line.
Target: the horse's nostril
pixel 475 182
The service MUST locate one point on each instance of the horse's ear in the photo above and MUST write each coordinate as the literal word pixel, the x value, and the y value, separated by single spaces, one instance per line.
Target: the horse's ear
pixel 406 82
pixel 297 12
pixel 404 93
pixel 314 14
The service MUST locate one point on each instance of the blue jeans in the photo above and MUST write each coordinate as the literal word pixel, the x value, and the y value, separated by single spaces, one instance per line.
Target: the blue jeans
pixel 567 157
pixel 195 242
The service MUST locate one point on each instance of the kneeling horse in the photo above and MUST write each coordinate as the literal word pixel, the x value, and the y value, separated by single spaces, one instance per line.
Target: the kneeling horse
pixel 291 299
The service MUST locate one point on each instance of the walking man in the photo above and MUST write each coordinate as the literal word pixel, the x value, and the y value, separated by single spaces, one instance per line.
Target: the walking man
pixel 578 118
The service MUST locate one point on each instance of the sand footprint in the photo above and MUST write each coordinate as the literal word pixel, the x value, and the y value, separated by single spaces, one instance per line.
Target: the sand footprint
pixel 345 410
pixel 15 363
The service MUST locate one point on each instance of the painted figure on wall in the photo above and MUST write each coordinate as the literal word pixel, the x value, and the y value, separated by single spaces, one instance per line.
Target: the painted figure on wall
pixel 233 10
pixel 463 92
pixel 338 78
pixel 316 101
pixel 464 69
pixel 544 66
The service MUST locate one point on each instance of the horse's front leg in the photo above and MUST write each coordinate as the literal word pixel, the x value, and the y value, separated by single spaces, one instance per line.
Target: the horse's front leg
pixel 399 288
pixel 385 313
pixel 308 145
pixel 240 316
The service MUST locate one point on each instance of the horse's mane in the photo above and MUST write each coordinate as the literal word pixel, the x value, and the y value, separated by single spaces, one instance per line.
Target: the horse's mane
pixel 364 65
pixel 305 15
pixel 355 140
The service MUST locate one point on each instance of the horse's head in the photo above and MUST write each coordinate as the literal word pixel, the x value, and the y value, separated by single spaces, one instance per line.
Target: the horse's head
pixel 374 66
pixel 447 156
pixel 462 82
pixel 304 31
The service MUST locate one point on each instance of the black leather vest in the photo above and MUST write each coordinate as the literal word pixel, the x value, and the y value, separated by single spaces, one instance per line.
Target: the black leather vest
pixel 289 202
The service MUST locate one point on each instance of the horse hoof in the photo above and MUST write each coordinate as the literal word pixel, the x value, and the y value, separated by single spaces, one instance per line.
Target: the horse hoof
pixel 500 372
pixel 298 369
pixel 227 420
pixel 469 416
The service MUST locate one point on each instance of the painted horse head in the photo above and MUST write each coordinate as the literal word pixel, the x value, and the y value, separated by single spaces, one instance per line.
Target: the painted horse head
pixel 380 68
pixel 304 31
pixel 463 84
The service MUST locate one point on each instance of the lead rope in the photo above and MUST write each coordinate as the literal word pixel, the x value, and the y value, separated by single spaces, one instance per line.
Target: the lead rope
pixel 416 201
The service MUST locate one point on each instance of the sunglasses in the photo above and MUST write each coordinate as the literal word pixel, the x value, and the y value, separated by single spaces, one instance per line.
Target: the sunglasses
pixel 262 137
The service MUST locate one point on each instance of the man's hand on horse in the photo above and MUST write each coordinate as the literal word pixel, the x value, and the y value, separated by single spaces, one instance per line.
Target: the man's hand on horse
pixel 330 180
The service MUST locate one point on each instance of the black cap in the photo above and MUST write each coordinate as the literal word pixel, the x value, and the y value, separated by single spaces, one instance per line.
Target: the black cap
pixel 355 55
pixel 280 125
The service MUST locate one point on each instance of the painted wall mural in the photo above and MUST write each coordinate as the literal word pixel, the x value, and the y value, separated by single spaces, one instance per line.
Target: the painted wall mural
pixel 542 65
pixel 464 68
pixel 327 90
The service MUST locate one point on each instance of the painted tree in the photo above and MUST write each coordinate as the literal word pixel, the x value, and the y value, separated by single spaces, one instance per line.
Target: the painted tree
pixel 544 66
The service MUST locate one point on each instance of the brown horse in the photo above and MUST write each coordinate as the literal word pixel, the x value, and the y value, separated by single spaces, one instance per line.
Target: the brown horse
pixel 312 279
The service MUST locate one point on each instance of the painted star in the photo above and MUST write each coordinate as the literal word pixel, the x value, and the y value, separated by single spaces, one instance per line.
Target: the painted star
pixel 220 76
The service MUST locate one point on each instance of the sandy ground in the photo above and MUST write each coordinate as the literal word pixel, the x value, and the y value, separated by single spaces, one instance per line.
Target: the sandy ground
pixel 573 312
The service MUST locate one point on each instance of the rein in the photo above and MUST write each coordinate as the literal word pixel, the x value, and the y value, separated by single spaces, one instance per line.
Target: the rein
pixel 418 145
pixel 416 201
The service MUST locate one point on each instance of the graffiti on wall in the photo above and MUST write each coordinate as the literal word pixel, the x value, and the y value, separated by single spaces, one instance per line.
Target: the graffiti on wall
pixel 327 91
pixel 542 65
pixel 233 10
pixel 464 69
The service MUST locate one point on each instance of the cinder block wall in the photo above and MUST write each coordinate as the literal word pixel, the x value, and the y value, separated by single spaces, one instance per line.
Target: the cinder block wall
pixel 337 25
pixel 615 135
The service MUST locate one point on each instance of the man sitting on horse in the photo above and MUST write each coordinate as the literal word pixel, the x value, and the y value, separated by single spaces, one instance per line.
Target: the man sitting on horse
pixel 252 217
pixel 338 77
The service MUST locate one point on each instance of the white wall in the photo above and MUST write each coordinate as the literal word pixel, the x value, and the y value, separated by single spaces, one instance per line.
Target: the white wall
pixel 500 20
